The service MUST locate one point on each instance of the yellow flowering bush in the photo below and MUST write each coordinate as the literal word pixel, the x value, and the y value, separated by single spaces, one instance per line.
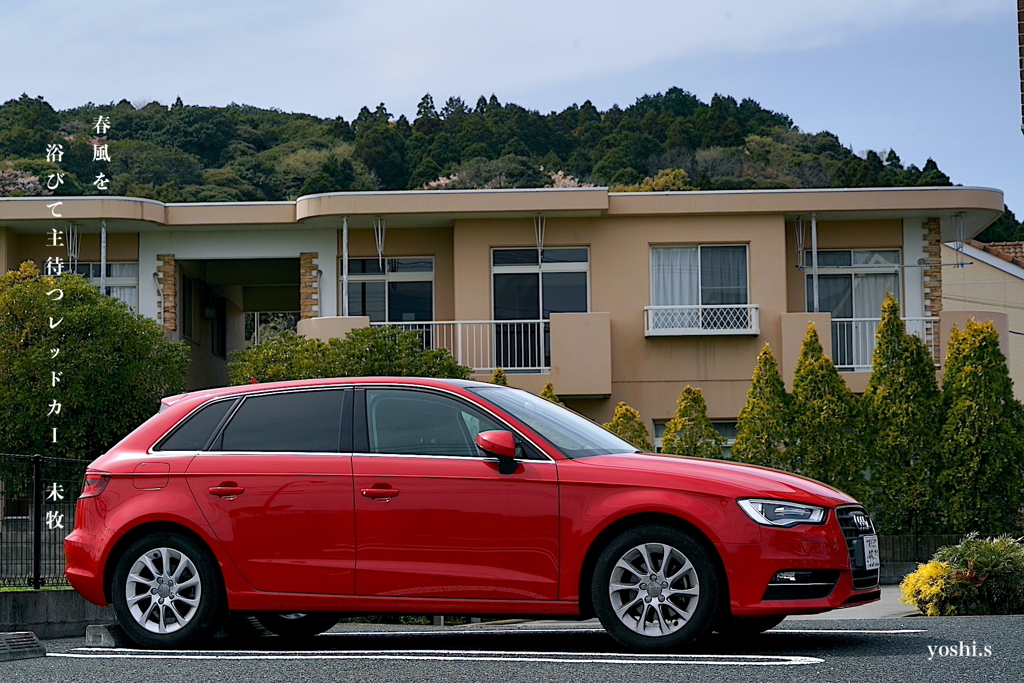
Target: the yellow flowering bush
pixel 927 587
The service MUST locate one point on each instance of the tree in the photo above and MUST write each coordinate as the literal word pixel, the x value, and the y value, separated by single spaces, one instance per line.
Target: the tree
pixel 369 351
pixel 112 367
pixel 499 377
pixel 690 432
pixel 981 446
pixel 903 410
pixel 627 424
pixel 548 392
pixel 762 428
pixel 824 437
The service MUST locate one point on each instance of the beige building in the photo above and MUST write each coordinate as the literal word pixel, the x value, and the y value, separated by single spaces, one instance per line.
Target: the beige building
pixel 611 297
pixel 988 281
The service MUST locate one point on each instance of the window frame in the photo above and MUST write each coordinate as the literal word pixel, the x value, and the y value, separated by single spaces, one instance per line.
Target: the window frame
pixel 388 277
pixel 188 308
pixel 127 281
pixel 700 246
pixel 527 448
pixel 852 271
pixel 214 446
pixel 540 268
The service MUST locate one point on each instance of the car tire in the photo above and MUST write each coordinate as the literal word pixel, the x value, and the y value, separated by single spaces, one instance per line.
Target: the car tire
pixel 675 609
pixel 747 626
pixel 167 592
pixel 297 625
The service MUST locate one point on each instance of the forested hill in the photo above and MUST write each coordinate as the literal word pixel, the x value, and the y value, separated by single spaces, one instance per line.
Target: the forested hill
pixel 665 141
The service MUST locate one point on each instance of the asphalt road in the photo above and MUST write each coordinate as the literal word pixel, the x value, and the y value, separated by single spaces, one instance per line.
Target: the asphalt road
pixel 908 649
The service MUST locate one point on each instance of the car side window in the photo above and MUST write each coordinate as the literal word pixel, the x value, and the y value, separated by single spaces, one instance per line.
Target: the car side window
pixel 291 422
pixel 406 422
pixel 194 433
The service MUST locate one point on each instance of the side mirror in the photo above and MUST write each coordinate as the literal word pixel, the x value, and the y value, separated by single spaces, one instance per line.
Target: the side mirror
pixel 502 445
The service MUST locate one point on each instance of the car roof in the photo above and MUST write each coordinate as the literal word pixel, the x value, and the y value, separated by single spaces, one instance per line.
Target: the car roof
pixel 319 382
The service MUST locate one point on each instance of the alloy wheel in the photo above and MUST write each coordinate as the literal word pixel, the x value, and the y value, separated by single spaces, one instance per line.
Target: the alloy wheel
pixel 654 590
pixel 163 590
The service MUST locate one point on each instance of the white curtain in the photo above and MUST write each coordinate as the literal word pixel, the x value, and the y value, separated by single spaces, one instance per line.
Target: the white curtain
pixel 675 280
pixel 129 295
pixel 869 292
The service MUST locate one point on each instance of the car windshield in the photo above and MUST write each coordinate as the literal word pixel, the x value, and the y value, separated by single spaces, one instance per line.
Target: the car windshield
pixel 572 434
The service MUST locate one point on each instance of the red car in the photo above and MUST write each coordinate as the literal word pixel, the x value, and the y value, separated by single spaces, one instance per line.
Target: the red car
pixel 301 501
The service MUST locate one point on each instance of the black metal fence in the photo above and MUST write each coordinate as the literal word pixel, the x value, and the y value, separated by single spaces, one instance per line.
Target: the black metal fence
pixel 37 510
pixel 913 548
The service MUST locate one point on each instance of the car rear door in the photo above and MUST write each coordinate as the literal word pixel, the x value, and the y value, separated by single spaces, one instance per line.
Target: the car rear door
pixel 276 487
pixel 434 517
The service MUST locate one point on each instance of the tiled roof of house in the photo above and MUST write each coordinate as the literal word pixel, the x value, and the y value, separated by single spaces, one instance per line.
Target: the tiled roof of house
pixel 1011 252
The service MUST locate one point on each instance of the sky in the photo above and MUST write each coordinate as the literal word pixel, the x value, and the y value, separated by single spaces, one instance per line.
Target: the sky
pixel 927 78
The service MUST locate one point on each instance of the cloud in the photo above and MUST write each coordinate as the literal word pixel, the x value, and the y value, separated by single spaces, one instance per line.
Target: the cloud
pixel 331 57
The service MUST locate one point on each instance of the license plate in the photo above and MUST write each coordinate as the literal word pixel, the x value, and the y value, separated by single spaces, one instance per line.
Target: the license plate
pixel 871 557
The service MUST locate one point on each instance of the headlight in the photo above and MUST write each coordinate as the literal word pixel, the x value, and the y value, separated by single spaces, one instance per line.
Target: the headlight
pixel 781 512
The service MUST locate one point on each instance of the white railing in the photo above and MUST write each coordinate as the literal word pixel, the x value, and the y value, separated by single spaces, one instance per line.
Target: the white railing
pixel 483 345
pixel 853 340
pixel 678 321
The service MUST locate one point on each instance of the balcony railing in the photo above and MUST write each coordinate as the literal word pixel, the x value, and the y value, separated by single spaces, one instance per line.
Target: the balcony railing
pixel 853 340
pixel 684 321
pixel 483 345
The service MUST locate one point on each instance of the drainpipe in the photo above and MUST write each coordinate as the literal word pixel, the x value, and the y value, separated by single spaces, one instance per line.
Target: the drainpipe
pixel 344 266
pixel 103 258
pixel 814 261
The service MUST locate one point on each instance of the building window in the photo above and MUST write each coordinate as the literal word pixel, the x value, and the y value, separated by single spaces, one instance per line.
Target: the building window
pixel 403 291
pixel 122 280
pixel 188 311
pixel 700 289
pixel 261 326
pixel 530 288
pixel 852 285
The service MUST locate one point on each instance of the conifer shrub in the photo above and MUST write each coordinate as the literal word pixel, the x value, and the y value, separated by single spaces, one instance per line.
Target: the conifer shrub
pixel 690 432
pixel 824 423
pixel 627 424
pixel 548 392
pixel 762 428
pixel 981 445
pixel 499 377
pixel 903 410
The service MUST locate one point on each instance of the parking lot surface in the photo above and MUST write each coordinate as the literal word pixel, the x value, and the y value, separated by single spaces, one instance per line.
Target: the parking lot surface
pixel 908 649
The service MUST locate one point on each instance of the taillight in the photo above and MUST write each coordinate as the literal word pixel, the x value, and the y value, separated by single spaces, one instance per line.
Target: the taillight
pixel 94 484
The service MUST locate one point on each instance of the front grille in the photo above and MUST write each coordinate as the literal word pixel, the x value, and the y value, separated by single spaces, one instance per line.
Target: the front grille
pixel 848 517
pixel 806 585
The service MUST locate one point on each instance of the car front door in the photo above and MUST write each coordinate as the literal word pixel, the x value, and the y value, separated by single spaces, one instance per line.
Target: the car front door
pixel 276 487
pixel 434 516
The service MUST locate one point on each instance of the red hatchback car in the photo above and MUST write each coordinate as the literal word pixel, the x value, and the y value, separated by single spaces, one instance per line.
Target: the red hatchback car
pixel 301 501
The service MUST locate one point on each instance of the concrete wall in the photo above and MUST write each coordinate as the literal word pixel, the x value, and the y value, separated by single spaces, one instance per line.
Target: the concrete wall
pixel 982 287
pixel 50 613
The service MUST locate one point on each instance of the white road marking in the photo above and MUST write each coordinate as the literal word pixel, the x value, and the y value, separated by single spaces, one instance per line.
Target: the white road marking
pixel 449 656
pixel 847 630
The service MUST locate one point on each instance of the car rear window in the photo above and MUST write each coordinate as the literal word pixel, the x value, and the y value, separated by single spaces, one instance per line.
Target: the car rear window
pixel 293 422
pixel 194 433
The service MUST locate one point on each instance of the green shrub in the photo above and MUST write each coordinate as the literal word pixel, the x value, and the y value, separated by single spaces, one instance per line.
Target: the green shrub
pixel 548 392
pixel 690 432
pixel 978 576
pixel 369 351
pixel 499 378
pixel 762 428
pixel 824 427
pixel 627 424
pixel 904 416
pixel 981 445
pixel 114 366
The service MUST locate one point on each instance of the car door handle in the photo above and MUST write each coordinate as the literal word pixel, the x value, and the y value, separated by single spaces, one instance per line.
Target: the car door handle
pixel 378 493
pixel 226 491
